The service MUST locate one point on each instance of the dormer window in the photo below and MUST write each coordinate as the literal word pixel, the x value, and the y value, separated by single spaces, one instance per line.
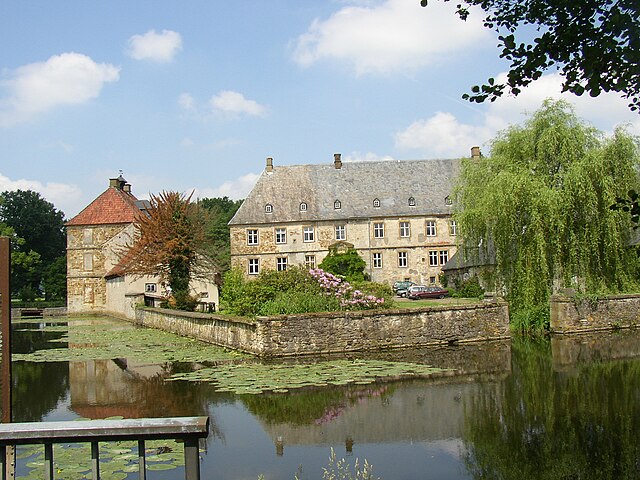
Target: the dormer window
pixel 448 200
pixel 303 207
pixel 412 202
pixel 268 208
pixel 337 205
pixel 376 203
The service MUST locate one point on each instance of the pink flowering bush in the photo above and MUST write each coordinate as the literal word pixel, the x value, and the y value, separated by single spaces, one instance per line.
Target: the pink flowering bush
pixel 350 298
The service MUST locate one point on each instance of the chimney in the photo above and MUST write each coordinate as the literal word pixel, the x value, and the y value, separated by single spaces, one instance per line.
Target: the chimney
pixel 126 188
pixel 113 182
pixel 475 152
pixel 337 162
pixel 269 168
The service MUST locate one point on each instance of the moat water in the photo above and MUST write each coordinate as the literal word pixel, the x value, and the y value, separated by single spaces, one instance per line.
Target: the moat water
pixel 560 408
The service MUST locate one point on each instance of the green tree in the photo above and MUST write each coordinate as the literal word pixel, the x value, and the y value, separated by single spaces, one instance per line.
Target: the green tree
pixel 37 228
pixel 542 200
pixel 347 264
pixel 218 244
pixel 169 244
pixel 595 44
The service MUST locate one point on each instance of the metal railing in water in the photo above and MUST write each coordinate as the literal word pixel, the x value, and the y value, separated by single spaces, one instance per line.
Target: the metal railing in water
pixel 187 429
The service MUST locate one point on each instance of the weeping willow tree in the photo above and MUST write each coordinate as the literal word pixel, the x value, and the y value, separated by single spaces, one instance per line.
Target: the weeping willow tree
pixel 541 204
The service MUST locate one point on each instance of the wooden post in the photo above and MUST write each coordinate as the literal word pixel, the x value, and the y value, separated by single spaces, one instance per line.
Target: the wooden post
pixel 5 295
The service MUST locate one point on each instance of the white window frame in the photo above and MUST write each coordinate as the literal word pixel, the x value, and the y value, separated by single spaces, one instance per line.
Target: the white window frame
pixel 412 202
pixel 253 266
pixel 310 261
pixel 376 259
pixel 303 206
pixel 453 228
pixel 308 234
pixel 341 232
pixel 150 288
pixel 405 229
pixel 281 236
pixel 443 257
pixel 376 203
pixel 433 258
pixel 281 264
pixel 403 259
pixel 253 236
pixel 431 228
pixel 378 230
pixel 337 205
pixel 268 208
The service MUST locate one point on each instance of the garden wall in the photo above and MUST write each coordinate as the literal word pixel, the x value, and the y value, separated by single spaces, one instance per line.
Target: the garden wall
pixel 571 315
pixel 319 333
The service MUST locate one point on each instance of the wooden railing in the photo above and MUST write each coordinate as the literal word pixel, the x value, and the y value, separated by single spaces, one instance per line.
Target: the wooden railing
pixel 187 429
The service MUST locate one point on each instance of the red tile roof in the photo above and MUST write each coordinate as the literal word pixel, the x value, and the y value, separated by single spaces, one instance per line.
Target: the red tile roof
pixel 113 206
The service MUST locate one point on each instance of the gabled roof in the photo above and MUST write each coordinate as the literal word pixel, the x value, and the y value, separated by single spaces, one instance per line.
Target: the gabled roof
pixel 355 185
pixel 113 206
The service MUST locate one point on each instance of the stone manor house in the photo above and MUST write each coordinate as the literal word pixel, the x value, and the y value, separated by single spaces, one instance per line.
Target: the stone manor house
pixel 396 214
pixel 96 283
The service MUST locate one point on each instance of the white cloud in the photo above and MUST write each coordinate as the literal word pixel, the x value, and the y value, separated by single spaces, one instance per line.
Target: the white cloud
pixel 443 134
pixel 234 189
pixel 365 157
pixel 66 79
pixel 186 102
pixel 387 36
pixel 65 197
pixel 234 103
pixel 157 47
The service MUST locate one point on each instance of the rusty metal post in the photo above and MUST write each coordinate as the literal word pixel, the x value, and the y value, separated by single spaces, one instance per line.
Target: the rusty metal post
pixel 5 296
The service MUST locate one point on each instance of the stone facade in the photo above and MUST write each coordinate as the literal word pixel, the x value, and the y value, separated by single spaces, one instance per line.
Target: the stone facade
pixel 323 333
pixel 91 253
pixel 96 238
pixel 396 214
pixel 571 315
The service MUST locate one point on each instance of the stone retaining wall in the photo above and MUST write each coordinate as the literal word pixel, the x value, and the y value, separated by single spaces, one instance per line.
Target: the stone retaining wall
pixel 321 333
pixel 571 315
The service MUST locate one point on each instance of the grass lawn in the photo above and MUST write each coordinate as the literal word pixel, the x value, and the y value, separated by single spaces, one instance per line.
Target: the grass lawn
pixel 407 303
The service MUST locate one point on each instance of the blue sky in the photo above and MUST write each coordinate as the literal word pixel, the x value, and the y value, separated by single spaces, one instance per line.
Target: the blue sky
pixel 195 94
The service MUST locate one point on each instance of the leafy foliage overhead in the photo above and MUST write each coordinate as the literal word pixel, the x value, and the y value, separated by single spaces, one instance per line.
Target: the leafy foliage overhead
pixel 542 200
pixel 595 44
pixel 218 243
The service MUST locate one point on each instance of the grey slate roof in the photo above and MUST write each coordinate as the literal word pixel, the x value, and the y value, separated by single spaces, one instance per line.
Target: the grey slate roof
pixel 355 185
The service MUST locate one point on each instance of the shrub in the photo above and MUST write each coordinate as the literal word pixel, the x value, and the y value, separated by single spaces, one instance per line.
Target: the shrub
pixel 469 288
pixel 348 265
pixel 286 303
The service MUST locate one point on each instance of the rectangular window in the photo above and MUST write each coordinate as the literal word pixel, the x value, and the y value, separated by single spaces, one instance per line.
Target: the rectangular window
pixel 404 229
pixel 254 266
pixel 150 287
pixel 281 264
pixel 252 236
pixel 341 232
pixel 453 228
pixel 431 228
pixel 87 259
pixel 308 234
pixel 310 261
pixel 87 236
pixel 444 256
pixel 432 280
pixel 378 230
pixel 281 235
pixel 433 258
pixel 403 259
pixel 377 260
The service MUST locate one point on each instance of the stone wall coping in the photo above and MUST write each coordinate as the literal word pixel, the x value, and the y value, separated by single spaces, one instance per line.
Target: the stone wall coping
pixel 199 315
pixel 385 311
pixel 558 297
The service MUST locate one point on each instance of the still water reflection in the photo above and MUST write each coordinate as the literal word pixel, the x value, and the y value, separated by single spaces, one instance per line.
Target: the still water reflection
pixel 555 409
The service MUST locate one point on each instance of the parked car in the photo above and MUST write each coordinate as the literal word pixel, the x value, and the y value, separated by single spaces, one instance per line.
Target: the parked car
pixel 420 291
pixel 400 287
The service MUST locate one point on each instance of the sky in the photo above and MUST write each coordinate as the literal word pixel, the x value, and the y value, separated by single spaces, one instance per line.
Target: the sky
pixel 194 95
